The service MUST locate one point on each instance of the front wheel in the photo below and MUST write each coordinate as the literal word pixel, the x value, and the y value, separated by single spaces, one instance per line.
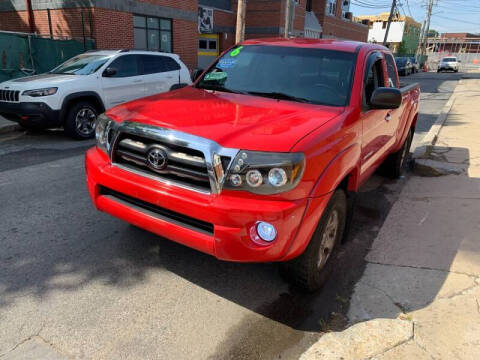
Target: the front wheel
pixel 310 270
pixel 80 121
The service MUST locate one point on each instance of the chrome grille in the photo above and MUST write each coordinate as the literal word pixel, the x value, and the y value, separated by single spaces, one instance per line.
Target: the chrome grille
pixel 192 162
pixel 183 165
pixel 9 95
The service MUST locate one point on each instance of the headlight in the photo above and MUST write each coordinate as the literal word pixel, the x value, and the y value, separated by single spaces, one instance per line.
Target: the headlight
pixel 265 172
pixel 104 133
pixel 40 92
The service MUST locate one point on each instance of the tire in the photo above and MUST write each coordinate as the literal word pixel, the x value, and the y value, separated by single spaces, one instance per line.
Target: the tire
pixel 395 164
pixel 80 121
pixel 310 270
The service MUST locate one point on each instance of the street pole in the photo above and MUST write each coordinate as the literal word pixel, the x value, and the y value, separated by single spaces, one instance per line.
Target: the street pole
pixel 390 17
pixel 287 18
pixel 427 27
pixel 240 30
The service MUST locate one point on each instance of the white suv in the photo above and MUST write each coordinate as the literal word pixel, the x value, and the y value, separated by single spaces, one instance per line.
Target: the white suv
pixel 448 63
pixel 74 93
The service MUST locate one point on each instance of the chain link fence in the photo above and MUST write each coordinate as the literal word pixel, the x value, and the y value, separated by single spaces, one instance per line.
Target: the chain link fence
pixel 23 54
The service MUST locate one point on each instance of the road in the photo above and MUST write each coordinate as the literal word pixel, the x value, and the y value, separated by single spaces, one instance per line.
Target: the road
pixel 78 283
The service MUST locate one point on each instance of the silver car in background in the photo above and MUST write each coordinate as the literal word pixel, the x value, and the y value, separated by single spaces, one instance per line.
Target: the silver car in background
pixel 449 63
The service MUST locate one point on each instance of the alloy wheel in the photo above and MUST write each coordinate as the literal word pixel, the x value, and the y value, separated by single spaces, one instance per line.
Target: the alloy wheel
pixel 328 239
pixel 85 121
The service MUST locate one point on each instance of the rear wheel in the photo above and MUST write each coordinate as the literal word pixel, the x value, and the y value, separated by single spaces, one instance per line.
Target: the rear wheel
pixel 395 164
pixel 80 121
pixel 310 270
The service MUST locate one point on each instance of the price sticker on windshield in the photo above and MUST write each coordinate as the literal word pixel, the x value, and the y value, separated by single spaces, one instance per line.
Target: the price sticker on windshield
pixel 227 63
pixel 236 51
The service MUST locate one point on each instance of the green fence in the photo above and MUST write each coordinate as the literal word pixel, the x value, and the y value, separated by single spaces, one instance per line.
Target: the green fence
pixel 25 54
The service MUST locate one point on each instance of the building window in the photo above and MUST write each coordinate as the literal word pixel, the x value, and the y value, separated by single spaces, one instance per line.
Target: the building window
pixel 332 7
pixel 152 33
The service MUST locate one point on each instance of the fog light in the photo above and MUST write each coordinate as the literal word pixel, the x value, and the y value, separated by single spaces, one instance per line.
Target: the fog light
pixel 266 231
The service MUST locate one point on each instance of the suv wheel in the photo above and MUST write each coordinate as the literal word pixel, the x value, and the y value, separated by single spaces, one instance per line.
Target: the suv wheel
pixel 310 270
pixel 81 120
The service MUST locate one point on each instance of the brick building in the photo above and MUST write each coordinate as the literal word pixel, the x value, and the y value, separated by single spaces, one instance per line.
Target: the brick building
pixel 173 25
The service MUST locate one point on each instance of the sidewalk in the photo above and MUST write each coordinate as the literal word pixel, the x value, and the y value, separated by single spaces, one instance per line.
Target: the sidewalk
pixel 7 126
pixel 419 297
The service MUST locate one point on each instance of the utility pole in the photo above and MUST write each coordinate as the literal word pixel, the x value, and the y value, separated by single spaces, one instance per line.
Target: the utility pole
pixel 390 17
pixel 420 39
pixel 427 27
pixel 240 31
pixel 288 10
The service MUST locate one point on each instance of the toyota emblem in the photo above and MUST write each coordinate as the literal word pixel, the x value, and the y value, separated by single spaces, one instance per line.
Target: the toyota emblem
pixel 157 159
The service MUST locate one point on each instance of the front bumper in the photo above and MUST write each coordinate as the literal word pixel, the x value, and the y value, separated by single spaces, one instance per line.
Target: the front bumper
pixel 30 114
pixel 447 67
pixel 218 225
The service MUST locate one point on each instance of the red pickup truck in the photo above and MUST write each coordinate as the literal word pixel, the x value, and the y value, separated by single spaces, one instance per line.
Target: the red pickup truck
pixel 259 160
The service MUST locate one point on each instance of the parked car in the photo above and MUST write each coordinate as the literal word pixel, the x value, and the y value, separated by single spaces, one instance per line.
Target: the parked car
pixel 448 63
pixel 415 64
pixel 261 158
pixel 74 93
pixel 404 66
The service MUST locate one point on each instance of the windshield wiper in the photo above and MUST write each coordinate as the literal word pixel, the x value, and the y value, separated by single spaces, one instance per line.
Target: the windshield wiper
pixel 279 96
pixel 220 88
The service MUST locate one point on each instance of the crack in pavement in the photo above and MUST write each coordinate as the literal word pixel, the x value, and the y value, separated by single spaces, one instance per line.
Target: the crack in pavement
pixel 395 345
pixel 473 276
pixel 23 341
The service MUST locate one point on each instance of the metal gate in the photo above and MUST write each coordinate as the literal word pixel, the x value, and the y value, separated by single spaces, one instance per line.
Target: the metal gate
pixel 208 49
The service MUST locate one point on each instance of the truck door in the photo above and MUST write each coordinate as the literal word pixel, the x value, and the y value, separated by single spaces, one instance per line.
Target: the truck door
pixel 398 116
pixel 377 134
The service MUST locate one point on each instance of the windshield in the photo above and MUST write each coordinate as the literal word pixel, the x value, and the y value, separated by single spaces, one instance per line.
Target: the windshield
pixel 81 65
pixel 400 61
pixel 289 73
pixel 449 59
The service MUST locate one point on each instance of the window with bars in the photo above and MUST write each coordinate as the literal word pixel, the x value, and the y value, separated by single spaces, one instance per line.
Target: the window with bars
pixel 332 7
pixel 152 33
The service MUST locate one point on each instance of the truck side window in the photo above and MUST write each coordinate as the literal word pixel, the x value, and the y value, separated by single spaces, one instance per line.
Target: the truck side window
pixel 392 72
pixel 374 79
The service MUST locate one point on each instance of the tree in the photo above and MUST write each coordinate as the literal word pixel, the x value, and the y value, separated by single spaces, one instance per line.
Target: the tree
pixel 433 33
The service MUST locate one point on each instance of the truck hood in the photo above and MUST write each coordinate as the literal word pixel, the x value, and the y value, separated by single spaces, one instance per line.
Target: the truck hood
pixel 40 81
pixel 232 120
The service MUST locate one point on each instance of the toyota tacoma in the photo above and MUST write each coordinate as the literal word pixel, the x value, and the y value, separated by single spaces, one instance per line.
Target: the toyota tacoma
pixel 260 159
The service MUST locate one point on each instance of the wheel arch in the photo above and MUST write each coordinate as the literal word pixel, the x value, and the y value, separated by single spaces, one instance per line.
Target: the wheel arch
pixel 90 96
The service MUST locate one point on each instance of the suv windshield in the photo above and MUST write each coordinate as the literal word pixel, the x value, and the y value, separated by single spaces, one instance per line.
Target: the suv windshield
pixel 401 61
pixel 305 75
pixel 81 65
pixel 449 60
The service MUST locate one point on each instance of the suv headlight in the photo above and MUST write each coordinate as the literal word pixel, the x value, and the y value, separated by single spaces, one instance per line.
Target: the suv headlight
pixel 104 133
pixel 265 172
pixel 40 92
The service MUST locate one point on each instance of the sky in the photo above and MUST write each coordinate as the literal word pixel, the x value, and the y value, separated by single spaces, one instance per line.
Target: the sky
pixel 447 15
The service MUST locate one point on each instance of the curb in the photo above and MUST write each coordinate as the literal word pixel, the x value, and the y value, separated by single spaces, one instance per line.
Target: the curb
pixel 4 129
pixel 431 137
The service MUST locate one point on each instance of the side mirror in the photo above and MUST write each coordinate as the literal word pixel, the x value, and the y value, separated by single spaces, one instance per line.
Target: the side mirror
pixel 459 61
pixel 386 98
pixel 196 74
pixel 109 72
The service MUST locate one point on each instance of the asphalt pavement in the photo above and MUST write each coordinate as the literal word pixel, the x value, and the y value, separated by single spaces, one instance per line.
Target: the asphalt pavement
pixel 78 283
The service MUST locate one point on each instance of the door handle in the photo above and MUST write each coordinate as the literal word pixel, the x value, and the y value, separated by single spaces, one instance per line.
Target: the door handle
pixel 388 117
pixel 136 81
